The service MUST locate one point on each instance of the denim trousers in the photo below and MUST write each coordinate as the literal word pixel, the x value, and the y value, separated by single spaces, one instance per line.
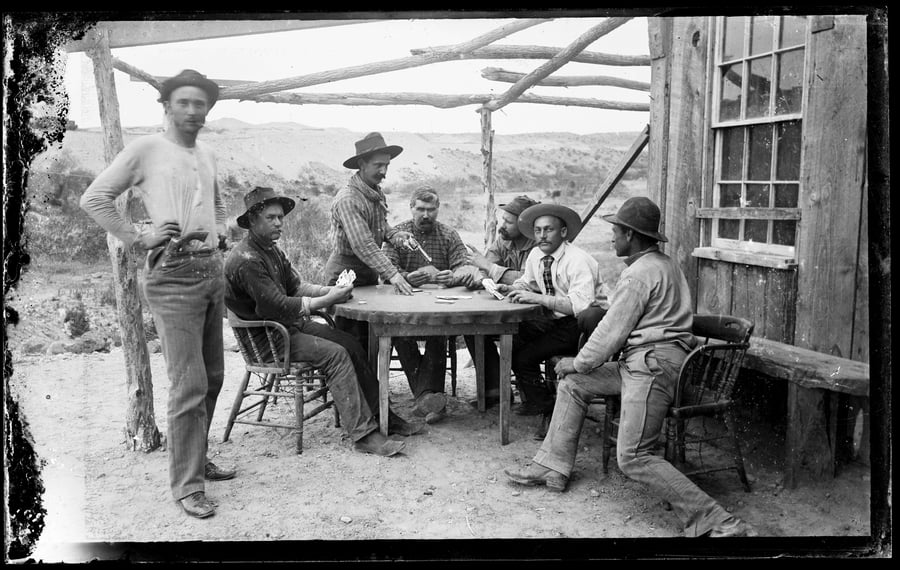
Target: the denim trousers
pixel 186 297
pixel 424 372
pixel 353 385
pixel 646 380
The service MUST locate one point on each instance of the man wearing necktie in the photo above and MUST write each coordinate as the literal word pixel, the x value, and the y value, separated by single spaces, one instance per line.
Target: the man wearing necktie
pixel 561 277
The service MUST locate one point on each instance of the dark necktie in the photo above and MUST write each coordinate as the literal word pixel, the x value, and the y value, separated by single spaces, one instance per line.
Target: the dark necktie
pixel 548 277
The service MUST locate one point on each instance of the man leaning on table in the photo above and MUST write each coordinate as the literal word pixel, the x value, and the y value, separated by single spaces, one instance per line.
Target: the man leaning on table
pixel 649 320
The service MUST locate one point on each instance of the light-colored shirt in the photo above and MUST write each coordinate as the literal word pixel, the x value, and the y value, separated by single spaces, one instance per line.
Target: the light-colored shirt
pixel 574 273
pixel 174 183
pixel 651 304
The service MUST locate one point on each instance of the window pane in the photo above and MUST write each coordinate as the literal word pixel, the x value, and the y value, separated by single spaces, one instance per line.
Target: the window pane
pixel 732 154
pixel 762 34
pixel 729 195
pixel 788 159
pixel 756 230
pixel 790 82
pixel 793 31
pixel 733 41
pixel 759 87
pixel 759 165
pixel 730 107
pixel 786 195
pixel 729 229
pixel 757 196
pixel 784 232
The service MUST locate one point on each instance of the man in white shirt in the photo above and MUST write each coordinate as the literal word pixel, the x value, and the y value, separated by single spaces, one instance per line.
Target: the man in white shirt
pixel 561 277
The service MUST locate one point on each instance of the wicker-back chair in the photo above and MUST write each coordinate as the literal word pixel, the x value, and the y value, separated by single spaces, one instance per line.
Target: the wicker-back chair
pixel 266 348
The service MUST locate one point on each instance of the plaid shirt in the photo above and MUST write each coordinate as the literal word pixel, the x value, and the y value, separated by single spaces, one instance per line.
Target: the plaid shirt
pixel 507 259
pixel 443 244
pixel 359 225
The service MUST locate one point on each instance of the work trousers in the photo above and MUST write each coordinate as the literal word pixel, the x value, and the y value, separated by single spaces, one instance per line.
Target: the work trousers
pixel 424 372
pixel 353 385
pixel 536 341
pixel 646 380
pixel 186 297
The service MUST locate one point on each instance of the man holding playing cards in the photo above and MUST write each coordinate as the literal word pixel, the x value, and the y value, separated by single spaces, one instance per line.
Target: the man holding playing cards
pixel 262 284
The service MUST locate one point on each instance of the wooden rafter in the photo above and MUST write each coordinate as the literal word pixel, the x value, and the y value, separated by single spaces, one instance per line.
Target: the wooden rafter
pixel 556 62
pixel 497 74
pixel 543 52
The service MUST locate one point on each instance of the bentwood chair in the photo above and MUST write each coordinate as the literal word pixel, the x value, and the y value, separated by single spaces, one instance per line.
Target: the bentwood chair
pixel 705 386
pixel 266 348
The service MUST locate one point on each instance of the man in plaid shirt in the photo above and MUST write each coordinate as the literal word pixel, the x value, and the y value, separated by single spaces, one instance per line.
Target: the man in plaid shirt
pixel 448 266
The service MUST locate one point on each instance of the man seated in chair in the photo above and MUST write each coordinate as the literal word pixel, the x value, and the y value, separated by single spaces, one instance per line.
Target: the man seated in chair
pixel 445 265
pixel 564 279
pixel 261 284
pixel 650 322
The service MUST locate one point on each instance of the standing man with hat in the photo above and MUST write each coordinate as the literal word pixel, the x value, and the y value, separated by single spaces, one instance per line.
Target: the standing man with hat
pixel 649 320
pixel 503 262
pixel 564 279
pixel 262 285
pixel 175 177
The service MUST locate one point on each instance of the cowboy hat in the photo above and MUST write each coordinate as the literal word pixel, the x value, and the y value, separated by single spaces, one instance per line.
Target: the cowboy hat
pixel 191 78
pixel 258 198
pixel 517 205
pixel 368 145
pixel 569 217
pixel 639 214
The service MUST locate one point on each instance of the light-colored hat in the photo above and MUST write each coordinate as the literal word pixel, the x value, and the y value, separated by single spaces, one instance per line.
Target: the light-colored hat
pixel 641 215
pixel 368 145
pixel 569 217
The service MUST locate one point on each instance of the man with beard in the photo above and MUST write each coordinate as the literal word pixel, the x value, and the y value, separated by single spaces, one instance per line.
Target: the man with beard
pixel 447 266
pixel 562 278
pixel 262 285
pixel 503 263
pixel 175 177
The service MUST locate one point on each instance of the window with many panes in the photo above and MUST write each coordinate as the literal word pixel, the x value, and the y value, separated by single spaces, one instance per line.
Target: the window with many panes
pixel 757 122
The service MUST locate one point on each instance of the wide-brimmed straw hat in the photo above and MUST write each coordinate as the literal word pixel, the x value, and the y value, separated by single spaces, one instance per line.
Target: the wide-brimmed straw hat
pixel 258 198
pixel 369 145
pixel 191 78
pixel 569 217
pixel 518 205
pixel 641 215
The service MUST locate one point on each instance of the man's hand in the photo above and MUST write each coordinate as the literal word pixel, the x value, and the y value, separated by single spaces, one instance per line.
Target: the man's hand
pixel 417 278
pixel 158 236
pixel 474 257
pixel 522 296
pixel 400 238
pixel 504 288
pixel 401 285
pixel 566 365
pixel 469 277
pixel 444 278
pixel 337 294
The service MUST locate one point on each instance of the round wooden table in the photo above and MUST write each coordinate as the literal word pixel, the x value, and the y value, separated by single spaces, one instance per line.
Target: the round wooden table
pixel 424 313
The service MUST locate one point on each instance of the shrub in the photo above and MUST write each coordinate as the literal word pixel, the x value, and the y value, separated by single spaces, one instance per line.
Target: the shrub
pixel 76 320
pixel 305 238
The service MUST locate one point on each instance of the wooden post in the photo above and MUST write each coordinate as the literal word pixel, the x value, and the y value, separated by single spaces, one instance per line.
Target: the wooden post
pixel 140 422
pixel 487 155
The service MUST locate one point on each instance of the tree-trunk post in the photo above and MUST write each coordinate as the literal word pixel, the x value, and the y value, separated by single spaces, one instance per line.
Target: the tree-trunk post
pixel 487 155
pixel 140 422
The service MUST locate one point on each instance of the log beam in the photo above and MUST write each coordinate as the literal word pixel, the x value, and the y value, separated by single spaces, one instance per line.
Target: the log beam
pixel 557 61
pixel 545 52
pixel 487 155
pixel 502 75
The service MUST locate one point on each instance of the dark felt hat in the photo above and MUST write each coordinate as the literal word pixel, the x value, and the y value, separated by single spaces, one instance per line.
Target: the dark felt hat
pixel 191 78
pixel 641 215
pixel 368 145
pixel 258 198
pixel 518 205
pixel 569 216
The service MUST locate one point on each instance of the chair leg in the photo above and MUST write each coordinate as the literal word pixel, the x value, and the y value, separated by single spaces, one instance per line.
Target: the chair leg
pixel 268 384
pixel 275 388
pixel 610 430
pixel 451 350
pixel 738 457
pixel 298 414
pixel 235 408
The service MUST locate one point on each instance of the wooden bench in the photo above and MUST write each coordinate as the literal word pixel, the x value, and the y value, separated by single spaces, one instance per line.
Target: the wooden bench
pixel 815 382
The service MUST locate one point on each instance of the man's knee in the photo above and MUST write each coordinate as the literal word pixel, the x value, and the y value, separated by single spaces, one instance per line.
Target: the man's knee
pixel 589 318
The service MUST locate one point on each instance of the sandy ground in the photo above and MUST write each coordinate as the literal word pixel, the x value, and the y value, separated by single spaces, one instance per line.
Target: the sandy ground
pixel 448 485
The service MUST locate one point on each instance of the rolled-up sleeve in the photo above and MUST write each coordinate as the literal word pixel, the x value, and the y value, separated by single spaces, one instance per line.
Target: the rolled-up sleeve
pixel 628 304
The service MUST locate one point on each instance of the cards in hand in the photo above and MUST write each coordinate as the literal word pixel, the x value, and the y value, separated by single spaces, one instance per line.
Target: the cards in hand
pixel 491 288
pixel 346 278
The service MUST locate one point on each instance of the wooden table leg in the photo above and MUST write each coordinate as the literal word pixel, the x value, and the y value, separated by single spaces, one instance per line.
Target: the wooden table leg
pixel 372 349
pixel 505 363
pixel 479 371
pixel 384 376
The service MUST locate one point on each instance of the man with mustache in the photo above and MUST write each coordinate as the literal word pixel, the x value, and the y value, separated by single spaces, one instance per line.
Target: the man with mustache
pixel 562 278
pixel 447 267
pixel 175 177
pixel 503 262
pixel 262 285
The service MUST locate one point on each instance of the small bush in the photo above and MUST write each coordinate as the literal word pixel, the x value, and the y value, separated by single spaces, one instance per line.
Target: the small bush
pixel 76 321
pixel 108 295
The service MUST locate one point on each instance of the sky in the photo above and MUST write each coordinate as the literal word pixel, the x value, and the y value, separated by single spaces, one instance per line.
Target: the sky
pixel 287 54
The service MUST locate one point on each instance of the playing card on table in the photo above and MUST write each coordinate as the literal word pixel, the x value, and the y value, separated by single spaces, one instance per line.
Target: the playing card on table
pixel 346 278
